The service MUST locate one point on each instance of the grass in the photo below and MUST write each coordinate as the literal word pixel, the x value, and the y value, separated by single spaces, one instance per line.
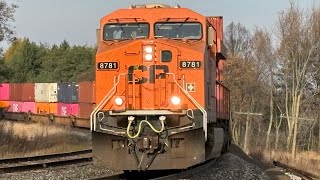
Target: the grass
pixel 308 161
pixel 23 139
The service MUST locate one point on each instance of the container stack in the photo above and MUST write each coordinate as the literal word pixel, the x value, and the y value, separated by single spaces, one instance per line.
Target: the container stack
pixel 4 96
pixel 86 98
pixel 28 100
pixel 61 99
pixel 46 98
pixel 15 97
pixel 68 99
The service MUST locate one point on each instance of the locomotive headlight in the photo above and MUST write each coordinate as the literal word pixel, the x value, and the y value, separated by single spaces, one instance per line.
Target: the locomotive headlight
pixel 148 57
pixel 118 101
pixel 175 100
pixel 148 49
pixel 148 52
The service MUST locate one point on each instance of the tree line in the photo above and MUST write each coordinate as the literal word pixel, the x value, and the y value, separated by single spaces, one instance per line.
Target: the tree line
pixel 274 79
pixel 26 61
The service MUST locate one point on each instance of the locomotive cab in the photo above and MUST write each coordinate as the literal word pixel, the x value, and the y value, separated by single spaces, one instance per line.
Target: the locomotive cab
pixel 156 90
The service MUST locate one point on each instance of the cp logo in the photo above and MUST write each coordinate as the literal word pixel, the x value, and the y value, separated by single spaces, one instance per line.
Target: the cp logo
pixel 152 73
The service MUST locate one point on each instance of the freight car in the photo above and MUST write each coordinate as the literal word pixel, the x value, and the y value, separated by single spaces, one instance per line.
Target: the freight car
pixel 63 103
pixel 160 100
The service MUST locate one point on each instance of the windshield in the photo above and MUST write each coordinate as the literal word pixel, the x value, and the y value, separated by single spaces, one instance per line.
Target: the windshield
pixel 125 31
pixel 183 30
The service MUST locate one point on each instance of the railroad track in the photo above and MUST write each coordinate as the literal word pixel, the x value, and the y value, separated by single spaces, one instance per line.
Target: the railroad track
pixel 160 175
pixel 38 162
pixel 295 171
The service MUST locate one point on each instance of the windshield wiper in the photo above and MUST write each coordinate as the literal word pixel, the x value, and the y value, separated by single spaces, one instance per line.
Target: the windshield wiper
pixel 163 23
pixel 183 22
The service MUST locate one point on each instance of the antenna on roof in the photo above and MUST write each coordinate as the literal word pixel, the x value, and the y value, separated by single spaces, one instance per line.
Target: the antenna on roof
pixel 177 6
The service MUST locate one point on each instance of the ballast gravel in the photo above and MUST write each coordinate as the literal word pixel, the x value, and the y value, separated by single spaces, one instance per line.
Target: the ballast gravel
pixel 228 166
pixel 231 167
pixel 80 172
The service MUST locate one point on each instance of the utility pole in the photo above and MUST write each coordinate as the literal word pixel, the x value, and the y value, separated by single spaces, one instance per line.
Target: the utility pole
pixel 246 135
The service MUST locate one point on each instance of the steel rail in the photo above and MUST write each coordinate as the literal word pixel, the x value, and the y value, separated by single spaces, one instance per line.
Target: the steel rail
pixel 43 161
pixel 295 171
pixel 43 157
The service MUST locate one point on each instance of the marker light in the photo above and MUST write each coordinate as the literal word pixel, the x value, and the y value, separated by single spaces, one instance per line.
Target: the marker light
pixel 148 49
pixel 118 101
pixel 148 57
pixel 175 100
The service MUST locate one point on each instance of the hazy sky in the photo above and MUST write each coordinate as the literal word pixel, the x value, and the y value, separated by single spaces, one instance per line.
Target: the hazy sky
pixel 51 21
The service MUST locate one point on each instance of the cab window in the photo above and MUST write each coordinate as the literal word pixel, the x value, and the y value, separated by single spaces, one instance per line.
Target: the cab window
pixel 177 30
pixel 124 31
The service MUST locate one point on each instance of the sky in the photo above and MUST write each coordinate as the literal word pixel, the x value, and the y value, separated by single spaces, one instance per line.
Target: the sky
pixel 52 21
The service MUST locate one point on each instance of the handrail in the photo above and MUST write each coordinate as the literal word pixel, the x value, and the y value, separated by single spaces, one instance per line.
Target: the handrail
pixel 104 101
pixel 205 116
pixel 113 89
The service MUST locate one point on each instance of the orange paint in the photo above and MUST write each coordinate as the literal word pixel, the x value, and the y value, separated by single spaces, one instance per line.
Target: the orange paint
pixel 4 104
pixel 47 108
pixel 129 54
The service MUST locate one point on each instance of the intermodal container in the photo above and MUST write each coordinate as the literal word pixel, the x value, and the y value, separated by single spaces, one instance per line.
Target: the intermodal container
pixel 53 92
pixel 29 107
pixel 4 104
pixel 46 92
pixel 87 92
pixel 85 109
pixel 68 109
pixel 75 109
pixel 4 92
pixel 41 92
pixel 28 92
pixel 15 93
pixel 15 106
pixel 47 108
pixel 68 93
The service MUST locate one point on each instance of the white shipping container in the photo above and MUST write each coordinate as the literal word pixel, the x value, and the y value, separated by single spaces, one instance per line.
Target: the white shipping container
pixel 41 92
pixel 46 92
pixel 53 92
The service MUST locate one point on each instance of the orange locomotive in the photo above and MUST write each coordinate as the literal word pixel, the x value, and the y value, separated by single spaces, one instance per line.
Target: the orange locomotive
pixel 160 102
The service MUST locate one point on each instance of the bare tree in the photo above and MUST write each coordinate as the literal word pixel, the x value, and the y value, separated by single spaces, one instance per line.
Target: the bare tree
pixel 6 18
pixel 265 60
pixel 297 51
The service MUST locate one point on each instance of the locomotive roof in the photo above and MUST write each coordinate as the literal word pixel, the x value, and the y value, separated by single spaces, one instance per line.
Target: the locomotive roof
pixel 155 14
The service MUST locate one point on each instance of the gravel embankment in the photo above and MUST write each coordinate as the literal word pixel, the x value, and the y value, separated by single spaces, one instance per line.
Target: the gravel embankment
pixel 82 172
pixel 229 167
pixel 235 165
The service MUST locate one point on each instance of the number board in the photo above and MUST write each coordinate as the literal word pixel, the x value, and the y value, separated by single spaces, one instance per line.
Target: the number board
pixel 190 64
pixel 108 65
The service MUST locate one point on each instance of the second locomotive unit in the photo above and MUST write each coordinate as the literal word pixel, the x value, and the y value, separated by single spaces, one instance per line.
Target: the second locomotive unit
pixel 160 100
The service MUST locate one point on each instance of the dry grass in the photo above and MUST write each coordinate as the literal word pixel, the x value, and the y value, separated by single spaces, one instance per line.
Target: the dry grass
pixel 307 161
pixel 21 139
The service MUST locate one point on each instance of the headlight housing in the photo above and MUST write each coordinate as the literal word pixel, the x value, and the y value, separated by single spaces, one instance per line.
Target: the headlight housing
pixel 175 100
pixel 118 101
